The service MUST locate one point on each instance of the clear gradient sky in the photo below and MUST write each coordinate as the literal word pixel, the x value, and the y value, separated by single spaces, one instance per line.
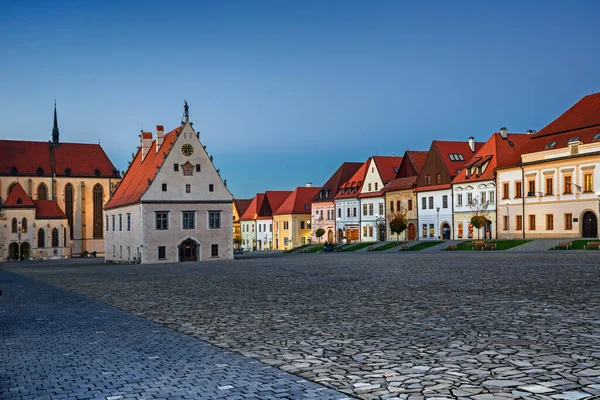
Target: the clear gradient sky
pixel 283 92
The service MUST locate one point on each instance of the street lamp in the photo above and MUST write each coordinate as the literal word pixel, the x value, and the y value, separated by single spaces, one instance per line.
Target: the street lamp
pixel 507 219
pixel 438 221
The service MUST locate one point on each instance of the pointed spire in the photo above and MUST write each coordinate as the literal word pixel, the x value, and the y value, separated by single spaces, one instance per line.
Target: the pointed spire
pixel 186 110
pixel 55 132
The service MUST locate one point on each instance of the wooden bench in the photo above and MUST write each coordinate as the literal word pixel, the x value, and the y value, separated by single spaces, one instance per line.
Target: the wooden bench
pixel 564 244
pixel 479 246
pixel 404 248
pixel 451 247
pixel 490 246
pixel 592 244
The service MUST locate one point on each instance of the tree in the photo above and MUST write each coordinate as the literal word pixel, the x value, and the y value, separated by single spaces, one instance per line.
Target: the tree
pixel 480 218
pixel 398 223
pixel 237 240
pixel 319 233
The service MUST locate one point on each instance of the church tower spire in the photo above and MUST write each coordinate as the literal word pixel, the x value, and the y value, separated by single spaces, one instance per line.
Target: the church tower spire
pixel 186 112
pixel 55 133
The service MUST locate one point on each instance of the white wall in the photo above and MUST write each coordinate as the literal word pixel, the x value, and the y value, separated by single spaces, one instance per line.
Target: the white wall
pixel 123 245
pixel 429 216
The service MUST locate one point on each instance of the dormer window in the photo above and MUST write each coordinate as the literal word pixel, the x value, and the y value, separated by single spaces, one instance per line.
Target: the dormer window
pixel 596 136
pixel 456 157
pixel 550 145
pixel 19 201
pixel 395 170
pixel 574 139
pixel 40 171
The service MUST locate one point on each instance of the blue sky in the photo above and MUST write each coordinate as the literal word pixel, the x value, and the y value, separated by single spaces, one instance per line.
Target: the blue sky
pixel 284 92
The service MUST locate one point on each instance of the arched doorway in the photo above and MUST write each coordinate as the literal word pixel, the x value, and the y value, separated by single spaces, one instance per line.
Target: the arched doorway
pixel 13 250
pixel 445 231
pixel 412 232
pixel 381 228
pixel 590 225
pixel 329 236
pixel 25 248
pixel 188 251
pixel 340 235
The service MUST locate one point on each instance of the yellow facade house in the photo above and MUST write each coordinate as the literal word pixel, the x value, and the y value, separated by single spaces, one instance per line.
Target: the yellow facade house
pixel 292 220
pixel 239 207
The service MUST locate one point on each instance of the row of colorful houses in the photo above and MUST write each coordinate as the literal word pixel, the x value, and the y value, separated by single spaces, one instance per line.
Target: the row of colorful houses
pixel 522 185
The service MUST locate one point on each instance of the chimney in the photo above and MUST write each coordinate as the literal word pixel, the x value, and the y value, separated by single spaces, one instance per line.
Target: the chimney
pixel 146 143
pixel 472 143
pixel 503 132
pixel 160 131
pixel 309 184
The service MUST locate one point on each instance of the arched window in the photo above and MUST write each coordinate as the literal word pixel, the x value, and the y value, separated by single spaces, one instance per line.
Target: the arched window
pixel 42 192
pixel 41 239
pixel 14 225
pixel 24 225
pixel 69 207
pixel 98 198
pixel 54 237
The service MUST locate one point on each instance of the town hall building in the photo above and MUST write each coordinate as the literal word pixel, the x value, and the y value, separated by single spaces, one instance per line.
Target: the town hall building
pixel 172 205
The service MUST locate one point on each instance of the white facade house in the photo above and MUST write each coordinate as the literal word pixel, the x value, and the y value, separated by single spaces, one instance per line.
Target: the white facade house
pixel 264 233
pixel 470 198
pixel 171 205
pixel 248 234
pixel 435 213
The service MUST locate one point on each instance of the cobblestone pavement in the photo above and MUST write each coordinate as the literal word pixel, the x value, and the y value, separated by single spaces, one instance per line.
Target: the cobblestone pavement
pixel 61 345
pixel 383 326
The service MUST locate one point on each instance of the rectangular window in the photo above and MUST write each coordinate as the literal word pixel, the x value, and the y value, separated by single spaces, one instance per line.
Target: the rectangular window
pixel 469 198
pixel 162 220
pixel 423 203
pixel 339 213
pixel 588 183
pixel 354 211
pixel 431 230
pixel 549 222
pixel 164 187
pixel 348 211
pixel 431 202
pixel 369 187
pixel 106 223
pixel 505 194
pixel 505 218
pixel 438 178
pixel 364 231
pixel 120 222
pixel 175 167
pixel 391 206
pixel 518 190
pixel 428 179
pixel 370 231
pixel 189 219
pixel 188 188
pixel 530 188
pixel 568 222
pixel 567 184
pixel 270 227
pixel 549 186
pixel 128 222
pixel 365 209
pixel 162 252
pixel 445 201
pixel 214 220
pixel 424 230
pixel 380 208
pixel 398 205
pixel 198 168
pixel 211 187
pixel 214 250
pixel 459 199
pixel 519 222
pixel 483 197
pixel 410 206
pixel 302 225
pixel 371 209
pixel 286 224
pixel 532 222
pixel 376 185
pixel 113 223
pixel 492 198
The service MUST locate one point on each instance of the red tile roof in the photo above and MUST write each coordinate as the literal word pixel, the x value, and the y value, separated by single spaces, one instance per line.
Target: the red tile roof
pixel 333 184
pixel 416 158
pixel 27 157
pixel 387 167
pixel 354 184
pixel 445 148
pixel 298 202
pixel 275 199
pixel 583 114
pixel 136 180
pixel 18 198
pixel 401 183
pixel 241 205
pixel 433 188
pixel 48 209
pixel 254 208
pixel 497 151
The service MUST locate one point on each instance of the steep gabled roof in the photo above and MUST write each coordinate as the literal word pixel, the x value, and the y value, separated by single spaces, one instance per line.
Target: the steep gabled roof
pixel 387 167
pixel 48 209
pixel 401 183
pixel 18 198
pixel 298 202
pixel 140 174
pixel 583 114
pixel 446 148
pixel 274 200
pixel 496 152
pixel 241 205
pixel 254 208
pixel 352 186
pixel 83 159
pixel 416 159
pixel 332 186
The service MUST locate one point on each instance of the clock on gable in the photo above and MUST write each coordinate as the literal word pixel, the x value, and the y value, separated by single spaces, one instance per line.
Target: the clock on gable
pixel 187 150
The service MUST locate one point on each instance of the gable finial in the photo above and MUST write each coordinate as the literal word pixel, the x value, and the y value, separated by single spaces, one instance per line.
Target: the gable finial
pixel 55 133
pixel 186 110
